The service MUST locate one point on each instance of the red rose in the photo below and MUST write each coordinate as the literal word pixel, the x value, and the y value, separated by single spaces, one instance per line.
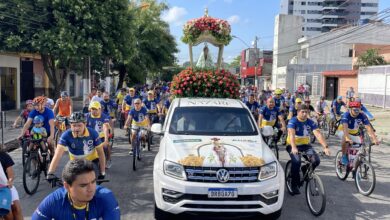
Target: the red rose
pixel 179 91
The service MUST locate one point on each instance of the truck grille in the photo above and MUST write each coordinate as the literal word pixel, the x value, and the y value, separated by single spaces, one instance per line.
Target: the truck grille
pixel 208 174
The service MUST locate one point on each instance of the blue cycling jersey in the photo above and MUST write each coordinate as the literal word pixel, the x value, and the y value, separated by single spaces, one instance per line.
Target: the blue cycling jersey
pixel 279 102
pixel 139 116
pixel 151 105
pixel 353 122
pixel 58 206
pixel 269 116
pixel 47 115
pixel 302 130
pixel 130 100
pixel 97 123
pixel 338 106
pixel 107 107
pixel 252 106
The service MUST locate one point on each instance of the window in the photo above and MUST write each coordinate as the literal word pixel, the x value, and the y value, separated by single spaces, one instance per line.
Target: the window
pixel 303 29
pixel 303 12
pixel 315 83
pixel 212 121
pixel 350 53
pixel 367 13
pixel 304 53
pixel 369 5
pixel 303 3
pixel 300 81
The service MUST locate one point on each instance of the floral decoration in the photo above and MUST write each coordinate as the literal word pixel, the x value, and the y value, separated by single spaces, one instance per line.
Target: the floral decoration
pixel 218 28
pixel 205 83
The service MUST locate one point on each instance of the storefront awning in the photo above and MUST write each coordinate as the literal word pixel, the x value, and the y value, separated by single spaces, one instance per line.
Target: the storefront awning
pixel 340 73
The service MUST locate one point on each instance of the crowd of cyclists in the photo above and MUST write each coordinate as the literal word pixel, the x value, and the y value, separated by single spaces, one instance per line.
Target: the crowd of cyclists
pixel 90 130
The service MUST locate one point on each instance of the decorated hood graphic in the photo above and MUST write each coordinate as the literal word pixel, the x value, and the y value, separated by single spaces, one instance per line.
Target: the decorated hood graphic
pixel 217 153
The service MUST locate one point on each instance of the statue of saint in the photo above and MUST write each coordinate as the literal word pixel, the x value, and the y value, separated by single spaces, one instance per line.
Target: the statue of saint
pixel 205 61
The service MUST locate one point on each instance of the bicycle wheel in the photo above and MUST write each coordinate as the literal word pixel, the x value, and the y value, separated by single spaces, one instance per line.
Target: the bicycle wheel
pixel 315 195
pixel 312 137
pixel 368 143
pixel 24 146
pixel 329 130
pixel 149 140
pixel 365 178
pixel 342 171
pixel 325 129
pixel 135 152
pixel 129 135
pixel 57 137
pixel 288 178
pixel 31 173
pixel 283 139
pixel 275 149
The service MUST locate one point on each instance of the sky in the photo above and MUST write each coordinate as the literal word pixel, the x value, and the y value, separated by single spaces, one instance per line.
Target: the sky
pixel 248 18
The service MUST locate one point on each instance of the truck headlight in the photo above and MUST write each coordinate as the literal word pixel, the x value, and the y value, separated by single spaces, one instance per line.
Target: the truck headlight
pixel 174 170
pixel 268 171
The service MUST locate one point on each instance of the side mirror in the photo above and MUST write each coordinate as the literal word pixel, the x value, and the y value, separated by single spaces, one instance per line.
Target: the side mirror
pixel 157 129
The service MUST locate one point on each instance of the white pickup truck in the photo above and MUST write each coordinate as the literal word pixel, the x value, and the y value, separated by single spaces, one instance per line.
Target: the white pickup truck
pixel 212 159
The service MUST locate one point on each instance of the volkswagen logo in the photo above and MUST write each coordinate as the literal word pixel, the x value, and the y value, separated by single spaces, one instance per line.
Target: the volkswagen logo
pixel 223 175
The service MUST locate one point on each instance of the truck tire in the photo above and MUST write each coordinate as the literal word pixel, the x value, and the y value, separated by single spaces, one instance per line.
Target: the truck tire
pixel 161 215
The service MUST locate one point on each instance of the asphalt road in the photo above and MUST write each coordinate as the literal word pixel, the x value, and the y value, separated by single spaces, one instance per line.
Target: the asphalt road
pixel 134 190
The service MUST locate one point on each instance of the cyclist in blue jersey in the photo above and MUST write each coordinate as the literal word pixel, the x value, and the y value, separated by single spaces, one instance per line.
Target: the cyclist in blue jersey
pixel 139 119
pixel 292 112
pixel 253 106
pixel 48 122
pixel 279 99
pixel 82 143
pixel 128 101
pixel 298 140
pixel 150 104
pixel 99 121
pixel 269 116
pixel 348 131
pixel 80 198
pixel 336 107
pixel 109 108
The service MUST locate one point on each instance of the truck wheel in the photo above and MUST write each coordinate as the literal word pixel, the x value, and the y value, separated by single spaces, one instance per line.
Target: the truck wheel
pixel 275 215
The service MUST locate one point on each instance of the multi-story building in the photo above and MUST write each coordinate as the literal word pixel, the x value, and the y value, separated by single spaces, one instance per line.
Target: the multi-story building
pixel 323 15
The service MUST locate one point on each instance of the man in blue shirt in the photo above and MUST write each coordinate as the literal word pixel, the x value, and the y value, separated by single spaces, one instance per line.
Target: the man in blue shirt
pixel 269 116
pixel 48 122
pixel 253 106
pixel 80 198
pixel 298 140
pixel 336 107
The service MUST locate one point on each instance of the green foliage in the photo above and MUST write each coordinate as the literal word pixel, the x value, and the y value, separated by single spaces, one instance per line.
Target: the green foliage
pixel 236 62
pixel 371 58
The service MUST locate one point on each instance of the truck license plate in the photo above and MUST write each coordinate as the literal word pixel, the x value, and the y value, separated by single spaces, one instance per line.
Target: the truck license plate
pixel 223 193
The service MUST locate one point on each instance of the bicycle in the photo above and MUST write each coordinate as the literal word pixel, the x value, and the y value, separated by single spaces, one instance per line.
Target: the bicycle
pixel 136 144
pixel 361 168
pixel 271 140
pixel 333 126
pixel 60 124
pixel 37 161
pixel 24 143
pixel 314 186
pixel 58 182
pixel 367 140
pixel 323 125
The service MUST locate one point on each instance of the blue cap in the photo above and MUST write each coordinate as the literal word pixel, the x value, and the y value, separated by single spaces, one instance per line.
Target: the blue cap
pixel 339 97
pixel 38 119
pixel 5 200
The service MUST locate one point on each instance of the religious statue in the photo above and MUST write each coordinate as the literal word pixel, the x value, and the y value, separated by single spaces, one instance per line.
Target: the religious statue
pixel 205 61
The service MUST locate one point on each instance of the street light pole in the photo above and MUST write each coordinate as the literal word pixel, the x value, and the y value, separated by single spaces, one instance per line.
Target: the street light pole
pixel 256 62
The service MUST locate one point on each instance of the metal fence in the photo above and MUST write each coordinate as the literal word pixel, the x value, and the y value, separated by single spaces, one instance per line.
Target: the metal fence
pixel 374 86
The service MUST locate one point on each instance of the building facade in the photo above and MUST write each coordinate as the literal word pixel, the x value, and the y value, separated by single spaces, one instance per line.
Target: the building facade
pixel 324 15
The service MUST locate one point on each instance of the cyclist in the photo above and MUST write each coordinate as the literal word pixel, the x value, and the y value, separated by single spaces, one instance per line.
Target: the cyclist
pixel 64 105
pixel 292 112
pixel 99 121
pixel 81 142
pixel 88 100
pixel 38 133
pixel 23 116
pixel 279 99
pixel 298 140
pixel 48 120
pixel 348 131
pixel 365 110
pixel 139 119
pixel 269 115
pixel 151 105
pixel 128 101
pixel 253 106
pixel 49 102
pixel 80 198
pixel 108 108
pixel 121 95
pixel 98 96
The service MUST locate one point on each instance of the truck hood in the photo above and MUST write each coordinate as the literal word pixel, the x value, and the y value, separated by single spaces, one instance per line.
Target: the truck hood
pixel 220 151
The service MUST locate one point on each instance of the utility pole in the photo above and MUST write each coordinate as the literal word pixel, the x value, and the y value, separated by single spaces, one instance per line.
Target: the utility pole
pixel 256 62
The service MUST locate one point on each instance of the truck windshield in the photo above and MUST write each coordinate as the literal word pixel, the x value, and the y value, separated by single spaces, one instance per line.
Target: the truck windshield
pixel 214 121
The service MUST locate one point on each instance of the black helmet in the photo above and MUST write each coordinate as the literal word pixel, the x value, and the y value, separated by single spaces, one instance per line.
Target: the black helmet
pixel 77 117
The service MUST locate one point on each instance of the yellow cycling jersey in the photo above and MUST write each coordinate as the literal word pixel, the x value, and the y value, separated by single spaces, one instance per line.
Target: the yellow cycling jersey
pixel 120 98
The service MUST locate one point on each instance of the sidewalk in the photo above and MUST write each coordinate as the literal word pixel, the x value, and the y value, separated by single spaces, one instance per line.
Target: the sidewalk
pixel 10 134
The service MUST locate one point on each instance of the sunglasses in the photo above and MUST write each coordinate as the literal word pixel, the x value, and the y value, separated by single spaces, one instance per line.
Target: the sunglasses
pixel 137 103
pixel 356 110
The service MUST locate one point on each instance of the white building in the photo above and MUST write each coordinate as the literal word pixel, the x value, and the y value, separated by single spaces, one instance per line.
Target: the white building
pixel 323 15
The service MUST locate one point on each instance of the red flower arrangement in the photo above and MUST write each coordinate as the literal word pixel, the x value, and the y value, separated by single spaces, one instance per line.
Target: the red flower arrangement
pixel 218 28
pixel 208 83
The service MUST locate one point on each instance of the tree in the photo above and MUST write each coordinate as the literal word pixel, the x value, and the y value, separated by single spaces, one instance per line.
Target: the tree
pixel 371 58
pixel 236 62
pixel 65 33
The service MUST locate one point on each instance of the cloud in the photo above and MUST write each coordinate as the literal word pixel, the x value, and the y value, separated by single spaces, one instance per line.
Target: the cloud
pixel 234 19
pixel 174 15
